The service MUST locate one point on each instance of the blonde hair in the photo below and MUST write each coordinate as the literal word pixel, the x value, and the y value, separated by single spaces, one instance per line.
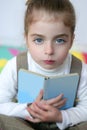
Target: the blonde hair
pixel 63 7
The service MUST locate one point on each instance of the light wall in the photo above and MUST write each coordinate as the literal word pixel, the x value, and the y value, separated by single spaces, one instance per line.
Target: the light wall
pixel 11 22
pixel 12 15
pixel 81 27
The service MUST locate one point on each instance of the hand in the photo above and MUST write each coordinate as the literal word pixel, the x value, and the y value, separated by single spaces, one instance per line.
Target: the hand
pixel 38 99
pixel 42 112
pixel 57 102
pixel 46 110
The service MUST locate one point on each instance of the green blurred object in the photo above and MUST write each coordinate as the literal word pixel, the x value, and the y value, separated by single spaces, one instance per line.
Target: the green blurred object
pixel 7 52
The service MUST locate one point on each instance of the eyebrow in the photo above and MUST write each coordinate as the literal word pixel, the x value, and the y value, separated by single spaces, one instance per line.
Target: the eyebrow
pixel 39 35
pixel 62 35
pixel 56 36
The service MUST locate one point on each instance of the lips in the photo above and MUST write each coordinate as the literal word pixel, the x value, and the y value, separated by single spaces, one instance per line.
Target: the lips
pixel 50 62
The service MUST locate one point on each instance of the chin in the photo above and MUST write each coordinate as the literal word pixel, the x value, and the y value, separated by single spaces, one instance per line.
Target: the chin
pixel 49 67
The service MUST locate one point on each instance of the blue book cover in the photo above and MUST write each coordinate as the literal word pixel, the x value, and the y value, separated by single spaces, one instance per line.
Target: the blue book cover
pixel 30 84
pixel 66 85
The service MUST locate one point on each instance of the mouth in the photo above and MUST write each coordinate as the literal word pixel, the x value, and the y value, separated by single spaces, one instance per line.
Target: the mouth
pixel 49 62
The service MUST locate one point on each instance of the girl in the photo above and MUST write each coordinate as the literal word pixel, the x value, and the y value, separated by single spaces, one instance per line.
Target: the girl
pixel 49 34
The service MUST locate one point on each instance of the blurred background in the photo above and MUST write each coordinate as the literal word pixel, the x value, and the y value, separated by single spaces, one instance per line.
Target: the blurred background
pixel 12 18
pixel 12 30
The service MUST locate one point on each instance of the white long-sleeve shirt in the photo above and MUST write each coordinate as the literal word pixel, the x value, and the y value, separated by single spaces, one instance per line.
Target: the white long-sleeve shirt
pixel 8 90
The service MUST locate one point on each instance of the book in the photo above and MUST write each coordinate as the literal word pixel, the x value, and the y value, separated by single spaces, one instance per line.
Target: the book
pixel 30 84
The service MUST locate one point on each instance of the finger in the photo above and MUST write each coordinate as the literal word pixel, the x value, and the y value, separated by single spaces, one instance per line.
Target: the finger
pixel 43 112
pixel 34 120
pixel 43 106
pixel 49 113
pixel 55 100
pixel 60 104
pixel 31 111
pixel 39 97
pixel 35 111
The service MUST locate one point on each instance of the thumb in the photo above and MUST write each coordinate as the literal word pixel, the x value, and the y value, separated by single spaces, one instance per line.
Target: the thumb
pixel 40 95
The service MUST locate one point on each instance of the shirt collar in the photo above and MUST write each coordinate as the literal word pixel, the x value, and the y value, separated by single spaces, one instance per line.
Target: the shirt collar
pixel 63 69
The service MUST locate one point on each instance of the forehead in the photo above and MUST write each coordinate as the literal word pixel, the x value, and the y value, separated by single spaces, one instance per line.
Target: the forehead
pixel 49 25
pixel 43 15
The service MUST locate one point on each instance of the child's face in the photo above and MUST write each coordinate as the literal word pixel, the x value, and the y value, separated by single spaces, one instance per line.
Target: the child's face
pixel 49 42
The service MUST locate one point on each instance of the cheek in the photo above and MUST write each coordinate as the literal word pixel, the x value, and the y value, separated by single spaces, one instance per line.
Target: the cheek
pixel 62 54
pixel 35 53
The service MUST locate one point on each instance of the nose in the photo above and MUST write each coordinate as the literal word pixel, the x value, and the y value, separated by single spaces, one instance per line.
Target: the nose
pixel 49 49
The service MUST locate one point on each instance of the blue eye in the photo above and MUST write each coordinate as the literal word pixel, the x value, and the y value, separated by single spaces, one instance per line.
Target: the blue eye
pixel 60 41
pixel 38 40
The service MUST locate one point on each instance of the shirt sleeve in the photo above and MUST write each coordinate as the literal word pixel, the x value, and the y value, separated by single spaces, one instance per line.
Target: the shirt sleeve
pixel 8 90
pixel 77 114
